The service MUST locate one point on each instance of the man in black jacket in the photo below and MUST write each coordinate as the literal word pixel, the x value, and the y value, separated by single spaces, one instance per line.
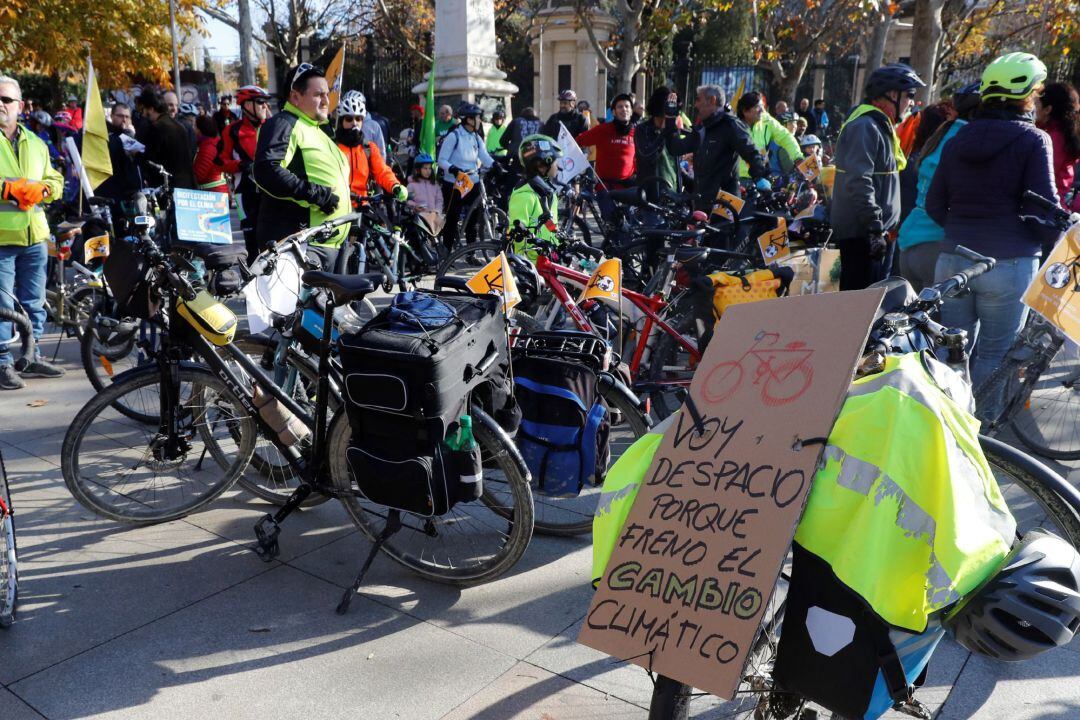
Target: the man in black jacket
pixel 568 115
pixel 168 145
pixel 717 141
pixel 125 179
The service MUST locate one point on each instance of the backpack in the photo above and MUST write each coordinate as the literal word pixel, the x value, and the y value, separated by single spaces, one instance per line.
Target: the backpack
pixel 565 424
pixel 408 376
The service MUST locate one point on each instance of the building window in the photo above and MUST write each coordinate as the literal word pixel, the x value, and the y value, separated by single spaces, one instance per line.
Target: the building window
pixel 564 78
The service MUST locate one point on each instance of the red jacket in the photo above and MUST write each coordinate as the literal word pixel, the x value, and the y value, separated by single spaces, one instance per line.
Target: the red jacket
pixel 614 152
pixel 207 171
pixel 360 169
pixel 236 149
pixel 76 117
pixel 1063 160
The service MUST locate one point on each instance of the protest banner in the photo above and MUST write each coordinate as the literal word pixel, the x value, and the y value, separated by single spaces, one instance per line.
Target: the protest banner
pixel 202 216
pixel 1053 293
pixel 695 564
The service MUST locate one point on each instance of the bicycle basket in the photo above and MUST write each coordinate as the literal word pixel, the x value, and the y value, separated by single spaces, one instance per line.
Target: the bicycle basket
pixel 129 275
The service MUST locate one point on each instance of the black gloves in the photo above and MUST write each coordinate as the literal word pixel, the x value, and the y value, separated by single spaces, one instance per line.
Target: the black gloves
pixel 454 171
pixel 877 242
pixel 324 198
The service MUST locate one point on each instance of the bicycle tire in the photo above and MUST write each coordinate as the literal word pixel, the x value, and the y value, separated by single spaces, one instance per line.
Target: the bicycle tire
pixel 269 477
pixel 499 450
pixel 668 362
pixel 1046 422
pixel 102 361
pixel 466 260
pixel 580 509
pixel 9 565
pixel 139 505
pixel 671 700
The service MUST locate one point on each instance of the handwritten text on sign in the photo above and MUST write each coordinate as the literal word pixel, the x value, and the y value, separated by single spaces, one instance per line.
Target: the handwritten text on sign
pixel 695 564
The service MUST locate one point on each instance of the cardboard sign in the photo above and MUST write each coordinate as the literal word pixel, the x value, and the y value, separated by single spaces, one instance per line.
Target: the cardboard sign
pixel 497 279
pixel 734 200
pixel 810 168
pixel 605 284
pixel 464 184
pixel 202 216
pixel 694 566
pixel 1055 291
pixel 96 247
pixel 774 243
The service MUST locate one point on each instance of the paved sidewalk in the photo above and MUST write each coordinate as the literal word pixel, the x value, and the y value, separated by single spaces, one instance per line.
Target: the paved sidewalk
pixel 182 620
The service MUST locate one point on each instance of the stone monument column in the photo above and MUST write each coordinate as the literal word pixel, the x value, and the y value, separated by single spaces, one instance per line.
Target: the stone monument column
pixel 465 59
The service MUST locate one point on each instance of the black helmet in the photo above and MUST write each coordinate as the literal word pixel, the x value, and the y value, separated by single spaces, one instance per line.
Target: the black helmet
pixel 895 76
pixel 967 98
pixel 468 109
pixel 536 149
pixel 525 277
pixel 498 113
pixel 1030 605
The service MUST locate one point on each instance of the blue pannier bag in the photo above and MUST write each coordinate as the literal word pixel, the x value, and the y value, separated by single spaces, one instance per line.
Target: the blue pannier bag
pixel 418 312
pixel 565 424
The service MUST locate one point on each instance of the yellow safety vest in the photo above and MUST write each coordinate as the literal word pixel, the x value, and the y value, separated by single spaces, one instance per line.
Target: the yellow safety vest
pixel 27 227
pixel 911 524
pixel 898 151
pixel 914 523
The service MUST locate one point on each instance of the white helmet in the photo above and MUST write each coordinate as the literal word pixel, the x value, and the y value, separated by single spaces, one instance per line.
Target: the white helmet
pixel 353 103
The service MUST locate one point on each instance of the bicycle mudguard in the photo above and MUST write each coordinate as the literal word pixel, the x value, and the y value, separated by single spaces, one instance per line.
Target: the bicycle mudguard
pixel 1054 481
pixel 489 423
pixel 606 382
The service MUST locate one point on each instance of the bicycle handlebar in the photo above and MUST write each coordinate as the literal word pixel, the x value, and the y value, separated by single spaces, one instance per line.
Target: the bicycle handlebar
pixel 26 330
pixel 263 261
pixel 589 250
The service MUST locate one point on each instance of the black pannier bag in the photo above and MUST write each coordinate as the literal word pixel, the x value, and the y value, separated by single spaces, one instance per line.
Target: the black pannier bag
pixel 565 423
pixel 128 273
pixel 408 376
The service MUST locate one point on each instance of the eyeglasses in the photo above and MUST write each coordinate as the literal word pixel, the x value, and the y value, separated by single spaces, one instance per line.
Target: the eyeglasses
pixel 8 101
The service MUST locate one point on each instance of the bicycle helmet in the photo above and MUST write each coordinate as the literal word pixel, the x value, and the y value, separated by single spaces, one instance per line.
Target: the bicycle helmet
pixel 536 149
pixel 424 159
pixel 468 109
pixel 42 117
pixel 498 113
pixel 187 109
pixel 967 98
pixel 525 276
pixel 894 76
pixel 808 140
pixel 568 95
pixel 1030 605
pixel 353 103
pixel 620 98
pixel 1012 76
pixel 251 92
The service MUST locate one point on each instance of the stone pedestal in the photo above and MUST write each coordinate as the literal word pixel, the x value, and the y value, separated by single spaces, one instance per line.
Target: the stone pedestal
pixel 563 55
pixel 465 59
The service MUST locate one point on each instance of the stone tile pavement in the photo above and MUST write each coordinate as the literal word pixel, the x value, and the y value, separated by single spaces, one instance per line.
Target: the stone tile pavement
pixel 182 620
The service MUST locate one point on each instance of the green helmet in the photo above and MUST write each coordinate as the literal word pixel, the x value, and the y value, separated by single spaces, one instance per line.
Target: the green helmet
pixel 1012 76
pixel 535 149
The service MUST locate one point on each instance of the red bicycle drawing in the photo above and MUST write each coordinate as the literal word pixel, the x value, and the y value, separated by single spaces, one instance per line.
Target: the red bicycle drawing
pixel 783 372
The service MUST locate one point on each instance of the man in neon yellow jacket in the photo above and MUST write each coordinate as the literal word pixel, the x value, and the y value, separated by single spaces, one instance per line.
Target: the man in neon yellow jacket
pixel 27 182
pixel 764 131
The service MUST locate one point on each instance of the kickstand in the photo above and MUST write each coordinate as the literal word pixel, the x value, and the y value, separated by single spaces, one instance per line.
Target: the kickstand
pixel 393 524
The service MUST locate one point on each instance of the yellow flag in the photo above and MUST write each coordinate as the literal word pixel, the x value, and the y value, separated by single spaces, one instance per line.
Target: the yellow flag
pixel 738 93
pixel 96 247
pixel 464 184
pixel 810 167
pixel 774 243
pixel 95 146
pixel 1052 292
pixel 733 200
pixel 605 284
pixel 497 279
pixel 334 74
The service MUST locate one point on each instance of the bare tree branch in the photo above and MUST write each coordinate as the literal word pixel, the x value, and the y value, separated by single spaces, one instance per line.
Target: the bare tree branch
pixel 586 22
pixel 400 32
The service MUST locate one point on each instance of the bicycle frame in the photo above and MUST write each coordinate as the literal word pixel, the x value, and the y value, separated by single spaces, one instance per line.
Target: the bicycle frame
pixel 553 274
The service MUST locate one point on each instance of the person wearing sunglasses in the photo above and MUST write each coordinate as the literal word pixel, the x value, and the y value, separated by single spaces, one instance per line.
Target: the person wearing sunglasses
pixel 236 153
pixel 366 163
pixel 868 159
pixel 27 182
pixel 303 176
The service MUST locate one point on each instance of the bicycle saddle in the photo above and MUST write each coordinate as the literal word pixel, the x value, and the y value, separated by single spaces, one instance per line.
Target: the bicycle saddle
pixel 344 288
pixel 667 234
pixel 634 196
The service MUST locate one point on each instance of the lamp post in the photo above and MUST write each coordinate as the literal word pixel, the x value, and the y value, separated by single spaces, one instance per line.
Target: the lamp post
pixel 175 49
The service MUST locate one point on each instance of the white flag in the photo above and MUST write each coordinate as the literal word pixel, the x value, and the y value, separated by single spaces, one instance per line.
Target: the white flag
pixel 573 161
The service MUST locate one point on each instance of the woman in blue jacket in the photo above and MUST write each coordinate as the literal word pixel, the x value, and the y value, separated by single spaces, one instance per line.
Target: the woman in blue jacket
pixel 977 196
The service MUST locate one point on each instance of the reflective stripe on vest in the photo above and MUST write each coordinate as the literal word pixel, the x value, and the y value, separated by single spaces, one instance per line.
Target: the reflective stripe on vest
pixel 23 227
pixel 898 151
pixel 904 506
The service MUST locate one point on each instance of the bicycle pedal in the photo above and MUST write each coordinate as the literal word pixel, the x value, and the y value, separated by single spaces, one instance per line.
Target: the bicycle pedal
pixel 913 708
pixel 266 535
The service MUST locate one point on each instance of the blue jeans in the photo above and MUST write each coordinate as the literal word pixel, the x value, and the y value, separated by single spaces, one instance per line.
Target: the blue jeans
pixel 22 274
pixel 992 312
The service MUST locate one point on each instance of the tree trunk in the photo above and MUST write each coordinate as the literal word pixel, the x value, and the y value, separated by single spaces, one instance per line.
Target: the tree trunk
pixel 876 54
pixel 630 54
pixel 247 60
pixel 788 84
pixel 925 38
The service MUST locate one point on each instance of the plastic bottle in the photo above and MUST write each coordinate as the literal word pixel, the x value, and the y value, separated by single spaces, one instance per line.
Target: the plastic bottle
pixel 469 466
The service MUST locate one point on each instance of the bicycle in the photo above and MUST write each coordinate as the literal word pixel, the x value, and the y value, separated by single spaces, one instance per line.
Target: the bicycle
pixel 484 220
pixel 1036 383
pixel 9 562
pixel 1035 495
pixel 137 472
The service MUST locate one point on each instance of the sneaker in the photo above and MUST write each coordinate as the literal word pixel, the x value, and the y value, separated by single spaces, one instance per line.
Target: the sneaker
pixel 9 379
pixel 40 369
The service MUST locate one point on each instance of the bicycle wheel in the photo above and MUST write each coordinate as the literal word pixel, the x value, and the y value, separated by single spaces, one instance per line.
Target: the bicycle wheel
pixel 111 346
pixel 669 364
pixel 466 260
pixel 1047 423
pixel 1033 503
pixel 9 574
pixel 473 543
pixel 128 471
pixel 574 515
pixel 270 477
